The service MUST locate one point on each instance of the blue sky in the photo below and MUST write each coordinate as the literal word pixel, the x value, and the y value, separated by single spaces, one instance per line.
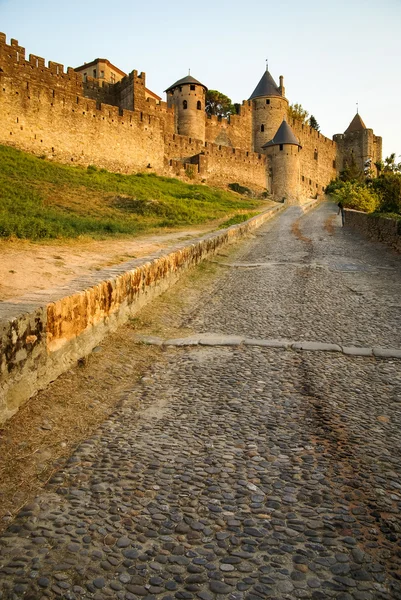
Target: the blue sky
pixel 332 54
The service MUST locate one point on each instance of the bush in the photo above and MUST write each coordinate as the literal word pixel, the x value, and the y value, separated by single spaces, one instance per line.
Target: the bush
pixel 388 187
pixel 357 196
pixel 240 189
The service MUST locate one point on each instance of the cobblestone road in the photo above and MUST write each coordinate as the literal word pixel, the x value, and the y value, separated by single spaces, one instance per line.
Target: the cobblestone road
pixel 249 472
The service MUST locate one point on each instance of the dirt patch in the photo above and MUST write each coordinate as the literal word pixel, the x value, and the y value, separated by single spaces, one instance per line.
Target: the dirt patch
pixel 27 267
pixel 329 224
pixel 298 233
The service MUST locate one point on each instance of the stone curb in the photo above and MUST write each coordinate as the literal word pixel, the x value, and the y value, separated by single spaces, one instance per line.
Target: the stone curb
pixel 44 334
pixel 213 339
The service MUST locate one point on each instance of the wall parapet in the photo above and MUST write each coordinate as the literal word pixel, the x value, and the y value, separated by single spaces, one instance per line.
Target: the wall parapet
pixel 42 337
pixel 376 227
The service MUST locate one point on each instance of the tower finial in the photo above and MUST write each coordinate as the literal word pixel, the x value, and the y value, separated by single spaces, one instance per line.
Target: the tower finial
pixel 357 108
pixel 267 64
pixel 189 71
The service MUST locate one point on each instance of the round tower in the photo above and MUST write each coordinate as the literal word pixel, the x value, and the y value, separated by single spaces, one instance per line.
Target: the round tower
pixel 188 96
pixel 283 152
pixel 269 108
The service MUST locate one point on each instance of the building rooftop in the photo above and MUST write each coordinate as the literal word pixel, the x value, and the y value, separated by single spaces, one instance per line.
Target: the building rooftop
pixel 266 87
pixel 185 81
pixel 284 135
pixel 100 60
pixel 356 124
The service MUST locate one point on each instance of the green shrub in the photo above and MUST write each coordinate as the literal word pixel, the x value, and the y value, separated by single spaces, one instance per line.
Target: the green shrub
pixel 357 196
pixel 388 186
pixel 240 189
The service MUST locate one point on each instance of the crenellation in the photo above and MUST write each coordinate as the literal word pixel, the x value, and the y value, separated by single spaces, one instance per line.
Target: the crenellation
pixel 72 116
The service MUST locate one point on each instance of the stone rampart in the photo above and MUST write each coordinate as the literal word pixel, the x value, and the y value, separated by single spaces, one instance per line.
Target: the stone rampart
pixel 317 161
pixel 375 227
pixel 42 337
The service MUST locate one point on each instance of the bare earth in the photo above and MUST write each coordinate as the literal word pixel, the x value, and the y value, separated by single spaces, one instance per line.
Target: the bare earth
pixel 28 267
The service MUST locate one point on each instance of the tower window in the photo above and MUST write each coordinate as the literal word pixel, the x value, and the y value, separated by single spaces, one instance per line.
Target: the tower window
pixel 262 128
pixel 192 87
pixel 180 88
pixel 315 155
pixel 334 164
pixel 281 146
pixel 94 72
pixel 185 104
pixel 199 105
pixel 268 101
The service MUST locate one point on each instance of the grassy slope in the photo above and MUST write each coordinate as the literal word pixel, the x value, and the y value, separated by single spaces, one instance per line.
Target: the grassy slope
pixel 41 199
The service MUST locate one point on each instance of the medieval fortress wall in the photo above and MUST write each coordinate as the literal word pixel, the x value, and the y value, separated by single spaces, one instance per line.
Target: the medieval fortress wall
pixel 124 127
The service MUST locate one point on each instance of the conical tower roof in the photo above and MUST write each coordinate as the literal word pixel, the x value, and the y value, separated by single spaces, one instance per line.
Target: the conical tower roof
pixel 284 135
pixel 266 87
pixel 185 81
pixel 356 124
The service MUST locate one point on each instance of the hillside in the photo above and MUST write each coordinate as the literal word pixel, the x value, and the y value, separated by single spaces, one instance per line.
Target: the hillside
pixel 42 200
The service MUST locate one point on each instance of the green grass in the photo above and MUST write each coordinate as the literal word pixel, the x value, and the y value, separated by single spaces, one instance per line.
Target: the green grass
pixel 236 219
pixel 44 200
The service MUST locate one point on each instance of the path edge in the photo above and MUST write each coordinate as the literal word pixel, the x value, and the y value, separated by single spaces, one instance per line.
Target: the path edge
pixel 45 334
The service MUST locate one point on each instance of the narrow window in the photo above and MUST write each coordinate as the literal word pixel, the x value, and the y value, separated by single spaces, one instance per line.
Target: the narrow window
pixel 199 105
pixel 267 101
pixel 303 177
pixel 101 74
pixel 192 87
pixel 112 77
pixel 180 88
pixel 281 146
pixel 262 128
pixel 185 105
pixel 94 72
pixel 85 76
pixel 315 154
pixel 310 181
pixel 334 164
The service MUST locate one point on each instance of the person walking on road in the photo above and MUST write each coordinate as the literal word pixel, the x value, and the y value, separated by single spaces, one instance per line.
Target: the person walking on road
pixel 341 210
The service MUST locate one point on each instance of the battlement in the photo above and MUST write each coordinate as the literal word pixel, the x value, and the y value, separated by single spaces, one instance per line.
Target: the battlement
pixel 14 63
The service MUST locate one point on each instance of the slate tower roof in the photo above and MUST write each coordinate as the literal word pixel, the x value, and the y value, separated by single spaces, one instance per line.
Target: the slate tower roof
pixel 266 87
pixel 185 81
pixel 284 135
pixel 356 124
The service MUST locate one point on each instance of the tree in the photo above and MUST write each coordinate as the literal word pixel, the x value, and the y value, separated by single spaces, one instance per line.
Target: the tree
pixel 388 165
pixel 357 196
pixel 297 112
pixel 218 104
pixel 313 123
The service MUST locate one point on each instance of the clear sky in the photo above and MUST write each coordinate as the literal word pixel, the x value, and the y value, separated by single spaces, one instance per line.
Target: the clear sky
pixel 332 54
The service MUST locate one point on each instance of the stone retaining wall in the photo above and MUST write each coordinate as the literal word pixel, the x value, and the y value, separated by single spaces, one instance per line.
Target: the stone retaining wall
pixel 375 227
pixel 43 335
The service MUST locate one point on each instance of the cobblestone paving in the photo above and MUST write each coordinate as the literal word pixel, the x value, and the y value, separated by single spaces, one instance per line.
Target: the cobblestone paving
pixel 328 289
pixel 248 472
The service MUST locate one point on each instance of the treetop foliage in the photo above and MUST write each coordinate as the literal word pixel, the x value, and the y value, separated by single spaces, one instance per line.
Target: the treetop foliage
pixel 219 104
pixel 297 112
pixel 360 190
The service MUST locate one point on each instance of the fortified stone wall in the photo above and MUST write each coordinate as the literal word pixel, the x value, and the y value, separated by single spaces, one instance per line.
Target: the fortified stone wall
pixel 44 111
pixel 358 146
pixel 235 131
pixel 318 157
pixel 376 227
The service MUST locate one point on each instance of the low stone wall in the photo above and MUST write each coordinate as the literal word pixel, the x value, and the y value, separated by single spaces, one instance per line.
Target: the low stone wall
pixel 375 227
pixel 43 335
